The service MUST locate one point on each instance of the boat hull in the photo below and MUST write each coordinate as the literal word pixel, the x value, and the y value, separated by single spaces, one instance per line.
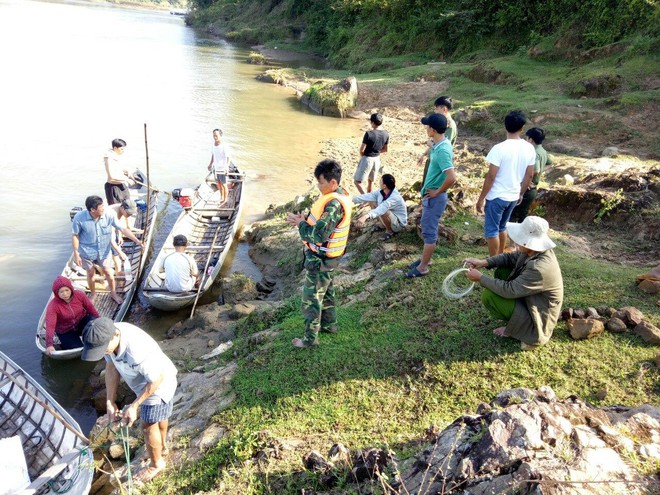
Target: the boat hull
pixel 205 222
pixel 56 453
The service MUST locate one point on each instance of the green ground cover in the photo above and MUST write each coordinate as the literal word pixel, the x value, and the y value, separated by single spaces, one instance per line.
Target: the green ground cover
pixel 395 369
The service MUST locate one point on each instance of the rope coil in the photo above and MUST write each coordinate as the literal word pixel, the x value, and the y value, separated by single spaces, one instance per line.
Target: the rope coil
pixel 452 289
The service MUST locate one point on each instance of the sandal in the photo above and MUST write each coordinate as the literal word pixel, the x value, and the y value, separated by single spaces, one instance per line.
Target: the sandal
pixel 415 264
pixel 387 236
pixel 414 273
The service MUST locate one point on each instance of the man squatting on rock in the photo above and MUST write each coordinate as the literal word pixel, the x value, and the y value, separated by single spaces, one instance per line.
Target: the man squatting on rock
pixel 324 233
pixel 527 289
pixel 134 356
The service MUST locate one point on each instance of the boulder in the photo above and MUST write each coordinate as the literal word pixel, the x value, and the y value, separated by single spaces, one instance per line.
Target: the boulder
pixel 632 316
pixel 616 325
pixel 592 313
pixel 649 286
pixel 241 310
pixel 579 313
pixel 582 329
pixel 648 332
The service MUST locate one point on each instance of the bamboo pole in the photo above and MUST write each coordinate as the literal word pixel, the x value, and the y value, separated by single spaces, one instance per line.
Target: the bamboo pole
pixel 204 275
pixel 143 254
pixel 66 424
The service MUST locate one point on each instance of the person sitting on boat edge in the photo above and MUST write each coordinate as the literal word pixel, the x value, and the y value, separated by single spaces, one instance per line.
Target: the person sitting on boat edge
pixel 527 289
pixel 66 315
pixel 91 240
pixel 181 271
pixel 118 180
pixel 130 353
pixel 390 207
pixel 219 164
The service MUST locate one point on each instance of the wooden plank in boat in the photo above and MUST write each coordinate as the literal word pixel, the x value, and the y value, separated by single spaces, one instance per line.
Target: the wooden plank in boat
pixel 50 473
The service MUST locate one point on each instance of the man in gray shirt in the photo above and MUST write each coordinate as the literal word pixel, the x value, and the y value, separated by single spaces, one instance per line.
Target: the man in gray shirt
pixel 134 356
pixel 389 207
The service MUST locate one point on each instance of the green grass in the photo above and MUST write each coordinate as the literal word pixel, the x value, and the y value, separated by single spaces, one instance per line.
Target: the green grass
pixel 390 373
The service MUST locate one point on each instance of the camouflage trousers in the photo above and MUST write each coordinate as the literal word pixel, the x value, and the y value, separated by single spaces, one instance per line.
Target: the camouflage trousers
pixel 318 304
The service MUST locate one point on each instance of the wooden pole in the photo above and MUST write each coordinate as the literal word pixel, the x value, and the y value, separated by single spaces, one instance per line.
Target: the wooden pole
pixel 143 254
pixel 45 406
pixel 205 276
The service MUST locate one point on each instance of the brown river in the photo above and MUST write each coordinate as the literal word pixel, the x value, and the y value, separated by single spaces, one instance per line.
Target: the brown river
pixel 76 75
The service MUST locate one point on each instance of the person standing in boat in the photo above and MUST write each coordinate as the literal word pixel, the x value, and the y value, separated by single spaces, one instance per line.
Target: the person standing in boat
pixel 91 240
pixel 324 233
pixel 66 315
pixel 123 211
pixel 131 354
pixel 219 164
pixel 119 180
pixel 180 269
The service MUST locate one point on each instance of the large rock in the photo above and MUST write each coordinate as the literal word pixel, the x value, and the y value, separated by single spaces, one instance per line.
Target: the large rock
pixel 585 329
pixel 648 332
pixel 536 437
pixel 632 316
pixel 616 325
pixel 649 286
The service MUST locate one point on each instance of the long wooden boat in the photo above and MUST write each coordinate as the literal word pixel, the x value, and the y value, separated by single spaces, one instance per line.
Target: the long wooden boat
pixel 210 227
pixel 145 220
pixel 39 437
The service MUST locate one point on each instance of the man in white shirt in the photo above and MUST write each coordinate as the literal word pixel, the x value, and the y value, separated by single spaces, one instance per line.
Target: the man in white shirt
pixel 118 179
pixel 134 356
pixel 220 163
pixel 510 171
pixel 180 269
pixel 390 207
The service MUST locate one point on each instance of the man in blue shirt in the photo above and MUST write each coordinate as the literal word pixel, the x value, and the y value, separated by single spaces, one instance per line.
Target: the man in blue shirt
pixel 91 240
pixel 438 180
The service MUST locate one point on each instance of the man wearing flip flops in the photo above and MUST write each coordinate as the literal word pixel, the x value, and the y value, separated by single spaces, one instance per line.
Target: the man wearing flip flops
pixel 530 297
pixel 134 356
pixel 439 178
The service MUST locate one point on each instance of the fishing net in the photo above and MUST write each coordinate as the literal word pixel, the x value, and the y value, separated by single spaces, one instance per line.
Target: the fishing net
pixel 456 285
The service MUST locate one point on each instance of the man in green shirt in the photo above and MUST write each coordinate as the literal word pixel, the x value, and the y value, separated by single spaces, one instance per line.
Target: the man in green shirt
pixel 535 136
pixel 442 105
pixel 438 180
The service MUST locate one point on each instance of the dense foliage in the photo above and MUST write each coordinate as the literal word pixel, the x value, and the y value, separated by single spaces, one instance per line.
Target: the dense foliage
pixel 352 30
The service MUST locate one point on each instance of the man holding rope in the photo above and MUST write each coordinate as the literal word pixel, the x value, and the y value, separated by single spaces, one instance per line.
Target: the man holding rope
pixel 531 295
pixel 134 356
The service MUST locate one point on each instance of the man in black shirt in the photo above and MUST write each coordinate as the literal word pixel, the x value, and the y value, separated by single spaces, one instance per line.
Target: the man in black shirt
pixel 373 144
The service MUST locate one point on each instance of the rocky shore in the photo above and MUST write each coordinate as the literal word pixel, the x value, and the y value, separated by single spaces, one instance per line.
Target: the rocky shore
pixel 523 438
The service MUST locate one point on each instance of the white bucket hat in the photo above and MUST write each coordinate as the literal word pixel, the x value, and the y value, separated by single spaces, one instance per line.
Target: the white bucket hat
pixel 532 233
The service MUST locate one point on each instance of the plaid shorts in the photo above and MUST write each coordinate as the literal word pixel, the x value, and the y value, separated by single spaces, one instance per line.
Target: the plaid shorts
pixel 156 413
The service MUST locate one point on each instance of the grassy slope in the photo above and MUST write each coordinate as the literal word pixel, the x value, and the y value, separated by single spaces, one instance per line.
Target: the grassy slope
pixel 393 371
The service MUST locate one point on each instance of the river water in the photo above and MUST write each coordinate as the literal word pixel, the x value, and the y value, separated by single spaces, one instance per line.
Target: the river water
pixel 77 75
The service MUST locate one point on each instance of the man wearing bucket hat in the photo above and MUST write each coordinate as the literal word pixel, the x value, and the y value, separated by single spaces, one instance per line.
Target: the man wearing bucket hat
pixel 530 298
pixel 134 356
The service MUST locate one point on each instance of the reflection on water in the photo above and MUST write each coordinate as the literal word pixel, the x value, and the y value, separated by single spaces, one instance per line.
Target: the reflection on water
pixel 77 75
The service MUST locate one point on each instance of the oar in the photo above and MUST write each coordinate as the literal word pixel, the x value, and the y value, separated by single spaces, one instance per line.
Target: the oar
pixel 151 187
pixel 205 276
pixel 45 406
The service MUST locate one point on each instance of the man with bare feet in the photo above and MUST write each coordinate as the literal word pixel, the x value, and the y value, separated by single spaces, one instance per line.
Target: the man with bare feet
pixel 219 164
pixel 91 240
pixel 134 356
pixel 530 297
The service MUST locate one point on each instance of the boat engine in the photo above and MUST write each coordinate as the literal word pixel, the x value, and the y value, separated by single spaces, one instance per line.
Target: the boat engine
pixel 74 211
pixel 183 196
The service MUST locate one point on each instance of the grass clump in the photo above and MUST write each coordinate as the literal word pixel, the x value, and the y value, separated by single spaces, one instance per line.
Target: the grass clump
pixel 394 369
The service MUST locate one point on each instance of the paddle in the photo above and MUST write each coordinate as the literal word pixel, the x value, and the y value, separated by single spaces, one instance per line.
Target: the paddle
pixel 205 276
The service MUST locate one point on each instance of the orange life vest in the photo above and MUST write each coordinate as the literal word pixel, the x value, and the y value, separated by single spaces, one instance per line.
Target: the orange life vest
pixel 335 246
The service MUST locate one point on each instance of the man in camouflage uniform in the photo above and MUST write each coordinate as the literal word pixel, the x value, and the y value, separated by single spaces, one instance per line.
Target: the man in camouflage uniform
pixel 324 232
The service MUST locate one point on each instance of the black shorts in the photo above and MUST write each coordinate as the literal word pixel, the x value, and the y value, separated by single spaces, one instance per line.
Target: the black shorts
pixel 116 193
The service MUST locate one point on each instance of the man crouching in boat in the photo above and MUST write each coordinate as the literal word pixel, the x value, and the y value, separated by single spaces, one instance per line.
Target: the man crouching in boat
pixel 91 240
pixel 134 356
pixel 324 233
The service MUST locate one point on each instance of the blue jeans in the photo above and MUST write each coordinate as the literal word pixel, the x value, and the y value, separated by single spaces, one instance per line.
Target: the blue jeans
pixel 497 213
pixel 432 210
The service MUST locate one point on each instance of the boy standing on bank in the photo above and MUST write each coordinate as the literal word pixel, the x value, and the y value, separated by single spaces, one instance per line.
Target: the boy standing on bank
pixel 324 233
pixel 373 144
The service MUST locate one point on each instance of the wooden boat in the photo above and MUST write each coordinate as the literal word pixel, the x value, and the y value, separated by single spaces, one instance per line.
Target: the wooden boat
pixel 145 220
pixel 210 227
pixel 39 437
